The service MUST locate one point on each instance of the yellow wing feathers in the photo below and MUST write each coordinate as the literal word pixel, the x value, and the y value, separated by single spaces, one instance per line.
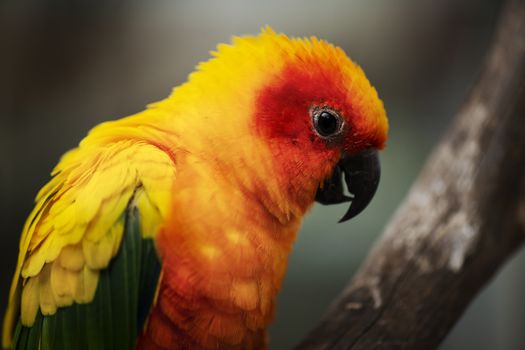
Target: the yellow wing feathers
pixel 77 224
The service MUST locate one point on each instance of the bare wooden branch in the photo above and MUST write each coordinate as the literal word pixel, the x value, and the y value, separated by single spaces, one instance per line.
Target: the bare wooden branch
pixel 464 216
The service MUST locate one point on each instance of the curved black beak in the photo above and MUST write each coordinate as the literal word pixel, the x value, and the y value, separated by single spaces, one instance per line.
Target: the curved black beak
pixel 361 173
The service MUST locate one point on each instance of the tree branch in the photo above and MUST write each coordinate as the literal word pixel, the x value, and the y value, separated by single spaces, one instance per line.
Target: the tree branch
pixel 464 216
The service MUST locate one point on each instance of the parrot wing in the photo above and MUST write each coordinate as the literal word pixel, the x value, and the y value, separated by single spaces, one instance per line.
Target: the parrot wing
pixel 87 269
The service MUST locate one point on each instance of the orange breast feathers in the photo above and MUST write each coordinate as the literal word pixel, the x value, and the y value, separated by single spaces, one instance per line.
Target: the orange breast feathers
pixel 224 257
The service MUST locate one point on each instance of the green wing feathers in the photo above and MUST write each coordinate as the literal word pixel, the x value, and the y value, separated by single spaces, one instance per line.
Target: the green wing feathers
pixel 116 315
pixel 87 260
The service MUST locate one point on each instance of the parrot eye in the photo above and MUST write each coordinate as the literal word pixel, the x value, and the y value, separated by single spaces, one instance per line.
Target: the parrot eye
pixel 327 123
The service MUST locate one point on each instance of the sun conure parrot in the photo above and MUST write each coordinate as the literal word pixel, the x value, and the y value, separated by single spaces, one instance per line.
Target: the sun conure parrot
pixel 171 228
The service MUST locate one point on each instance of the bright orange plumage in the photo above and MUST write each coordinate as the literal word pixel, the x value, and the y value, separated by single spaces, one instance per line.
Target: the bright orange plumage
pixel 227 242
pixel 238 152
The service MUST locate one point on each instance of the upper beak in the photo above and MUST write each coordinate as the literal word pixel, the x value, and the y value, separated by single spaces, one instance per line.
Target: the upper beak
pixel 361 172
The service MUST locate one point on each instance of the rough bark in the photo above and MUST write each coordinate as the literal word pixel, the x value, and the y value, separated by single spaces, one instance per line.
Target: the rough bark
pixel 463 217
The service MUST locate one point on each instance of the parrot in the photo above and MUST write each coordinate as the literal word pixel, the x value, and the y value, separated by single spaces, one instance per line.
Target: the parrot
pixel 171 228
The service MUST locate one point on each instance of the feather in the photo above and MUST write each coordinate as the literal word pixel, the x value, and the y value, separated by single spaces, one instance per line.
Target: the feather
pixel 121 297
pixel 78 222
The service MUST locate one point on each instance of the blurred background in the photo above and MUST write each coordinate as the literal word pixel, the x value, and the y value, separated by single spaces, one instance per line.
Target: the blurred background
pixel 67 65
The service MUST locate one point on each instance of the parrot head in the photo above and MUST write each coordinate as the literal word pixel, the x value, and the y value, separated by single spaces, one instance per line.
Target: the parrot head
pixel 325 123
pixel 309 105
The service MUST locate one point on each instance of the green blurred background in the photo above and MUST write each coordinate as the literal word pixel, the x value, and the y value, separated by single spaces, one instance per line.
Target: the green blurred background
pixel 67 65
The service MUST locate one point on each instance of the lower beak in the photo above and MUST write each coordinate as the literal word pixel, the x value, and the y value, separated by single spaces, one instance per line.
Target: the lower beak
pixel 361 173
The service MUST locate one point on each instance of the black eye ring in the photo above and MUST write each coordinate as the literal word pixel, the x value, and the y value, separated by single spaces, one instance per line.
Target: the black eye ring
pixel 327 123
